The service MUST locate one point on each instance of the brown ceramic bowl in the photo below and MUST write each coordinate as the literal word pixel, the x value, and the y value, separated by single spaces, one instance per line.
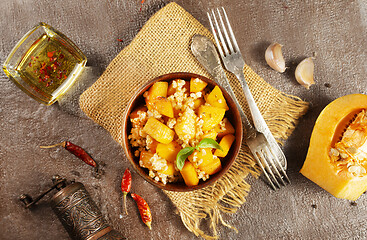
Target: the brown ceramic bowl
pixel 232 114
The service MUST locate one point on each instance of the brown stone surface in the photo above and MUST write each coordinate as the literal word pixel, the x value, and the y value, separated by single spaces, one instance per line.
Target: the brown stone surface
pixel 334 31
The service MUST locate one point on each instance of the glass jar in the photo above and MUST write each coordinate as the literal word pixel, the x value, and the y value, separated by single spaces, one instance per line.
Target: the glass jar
pixel 44 64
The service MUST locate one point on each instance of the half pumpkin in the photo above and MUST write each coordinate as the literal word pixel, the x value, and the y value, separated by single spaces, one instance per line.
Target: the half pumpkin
pixel 337 154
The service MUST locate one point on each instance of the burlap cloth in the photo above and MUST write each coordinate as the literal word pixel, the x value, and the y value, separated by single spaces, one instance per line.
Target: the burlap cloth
pixel 163 46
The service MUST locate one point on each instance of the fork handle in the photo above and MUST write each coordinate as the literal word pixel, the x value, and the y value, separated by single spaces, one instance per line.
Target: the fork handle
pixel 257 118
pixel 223 81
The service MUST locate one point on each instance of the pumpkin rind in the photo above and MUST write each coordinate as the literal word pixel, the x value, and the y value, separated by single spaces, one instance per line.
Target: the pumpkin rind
pixel 317 166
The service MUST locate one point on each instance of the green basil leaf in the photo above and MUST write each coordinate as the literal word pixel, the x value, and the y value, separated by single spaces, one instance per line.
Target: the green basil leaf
pixel 182 155
pixel 209 143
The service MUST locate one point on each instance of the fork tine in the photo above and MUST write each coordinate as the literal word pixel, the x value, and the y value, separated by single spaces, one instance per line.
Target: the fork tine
pixel 225 31
pixel 284 174
pixel 278 159
pixel 267 167
pixel 263 170
pixel 282 170
pixel 219 32
pixel 271 160
pixel 237 49
pixel 215 36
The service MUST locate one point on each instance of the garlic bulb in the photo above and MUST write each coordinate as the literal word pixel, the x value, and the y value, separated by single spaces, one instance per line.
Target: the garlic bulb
pixel 304 72
pixel 274 57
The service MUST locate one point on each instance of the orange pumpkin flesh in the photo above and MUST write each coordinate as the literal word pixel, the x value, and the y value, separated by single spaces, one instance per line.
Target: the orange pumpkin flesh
pixel 328 130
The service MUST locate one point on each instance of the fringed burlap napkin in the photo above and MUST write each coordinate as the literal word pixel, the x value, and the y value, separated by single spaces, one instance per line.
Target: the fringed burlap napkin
pixel 163 46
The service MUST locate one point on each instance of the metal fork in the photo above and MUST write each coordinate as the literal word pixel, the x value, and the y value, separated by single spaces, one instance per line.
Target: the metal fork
pixel 260 141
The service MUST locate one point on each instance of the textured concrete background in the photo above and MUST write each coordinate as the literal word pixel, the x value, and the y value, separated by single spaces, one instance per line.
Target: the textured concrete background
pixel 334 31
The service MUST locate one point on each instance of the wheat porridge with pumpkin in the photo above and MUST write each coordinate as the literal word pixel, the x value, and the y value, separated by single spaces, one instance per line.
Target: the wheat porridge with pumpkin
pixel 176 133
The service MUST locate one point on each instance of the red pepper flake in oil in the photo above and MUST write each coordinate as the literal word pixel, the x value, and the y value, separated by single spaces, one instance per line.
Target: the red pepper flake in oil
pixel 77 151
pixel 120 40
pixel 144 209
pixel 50 54
pixel 126 186
pixel 141 4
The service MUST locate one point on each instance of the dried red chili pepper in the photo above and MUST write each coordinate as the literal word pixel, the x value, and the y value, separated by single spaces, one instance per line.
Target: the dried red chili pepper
pixel 126 185
pixel 77 151
pixel 120 40
pixel 144 209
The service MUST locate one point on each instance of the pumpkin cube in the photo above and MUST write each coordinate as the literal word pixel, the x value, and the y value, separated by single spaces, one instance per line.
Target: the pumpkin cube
pixel 159 131
pixel 216 99
pixel 197 85
pixel 189 174
pixel 198 102
pixel 152 146
pixel 213 167
pixel 211 134
pixel 158 89
pixel 211 116
pixel 168 151
pixel 205 156
pixel 185 126
pixel 226 144
pixel 206 161
pixel 171 90
pixel 229 129
pixel 144 160
pixel 163 106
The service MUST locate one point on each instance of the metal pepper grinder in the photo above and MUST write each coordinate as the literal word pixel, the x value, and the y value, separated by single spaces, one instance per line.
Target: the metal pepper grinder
pixel 76 210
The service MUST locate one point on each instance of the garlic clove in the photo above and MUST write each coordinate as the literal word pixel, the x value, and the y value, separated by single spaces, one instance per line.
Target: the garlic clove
pixel 274 57
pixel 304 72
